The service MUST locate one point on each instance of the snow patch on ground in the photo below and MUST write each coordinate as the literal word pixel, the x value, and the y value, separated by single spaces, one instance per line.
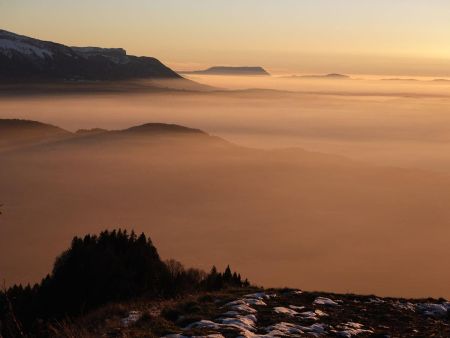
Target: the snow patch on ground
pixel 434 310
pixel 243 308
pixel 254 301
pixel 247 322
pixel 325 301
pixel 297 308
pixel 285 311
pixel 260 295
pixel 376 301
pixel 350 329
pixel 320 313
pixel 239 317
pixel 405 306
pixel 315 329
pixel 181 336
pixel 283 329
pixel 133 317
pixel 203 324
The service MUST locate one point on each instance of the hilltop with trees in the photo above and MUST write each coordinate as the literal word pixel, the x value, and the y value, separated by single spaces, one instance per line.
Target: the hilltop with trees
pixel 110 267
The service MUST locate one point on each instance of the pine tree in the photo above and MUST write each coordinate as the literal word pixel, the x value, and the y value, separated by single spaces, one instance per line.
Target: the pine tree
pixel 227 275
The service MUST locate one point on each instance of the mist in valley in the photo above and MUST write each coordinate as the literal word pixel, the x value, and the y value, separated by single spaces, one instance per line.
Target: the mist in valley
pixel 338 185
pixel 399 123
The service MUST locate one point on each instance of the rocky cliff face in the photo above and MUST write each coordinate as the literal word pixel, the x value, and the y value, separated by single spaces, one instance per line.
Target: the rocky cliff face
pixel 26 59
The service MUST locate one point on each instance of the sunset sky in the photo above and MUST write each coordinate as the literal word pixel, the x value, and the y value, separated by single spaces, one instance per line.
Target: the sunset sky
pixel 401 37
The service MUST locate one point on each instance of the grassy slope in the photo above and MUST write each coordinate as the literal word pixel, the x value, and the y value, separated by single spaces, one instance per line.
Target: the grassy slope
pixel 170 316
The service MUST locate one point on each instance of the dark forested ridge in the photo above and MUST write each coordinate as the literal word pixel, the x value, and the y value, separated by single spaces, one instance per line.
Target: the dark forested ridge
pixel 96 270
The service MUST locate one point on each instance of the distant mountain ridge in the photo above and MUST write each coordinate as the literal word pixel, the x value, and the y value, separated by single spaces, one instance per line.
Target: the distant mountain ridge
pixel 335 76
pixel 16 133
pixel 222 70
pixel 27 59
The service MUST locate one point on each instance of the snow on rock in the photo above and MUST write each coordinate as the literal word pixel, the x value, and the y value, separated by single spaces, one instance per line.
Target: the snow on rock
pixel 434 310
pixel 236 302
pixel 325 301
pixel 243 308
pixel 247 322
pixel 203 324
pixel 283 329
pixel 309 315
pixel 240 317
pixel 245 325
pixel 116 55
pixel 376 301
pixel 312 315
pixel 249 334
pixel 182 336
pixel 350 329
pixel 404 306
pixel 320 313
pixel 254 301
pixel 243 305
pixel 285 311
pixel 260 295
pixel 289 329
pixel 8 46
pixel 294 307
pixel 133 317
pixel 315 329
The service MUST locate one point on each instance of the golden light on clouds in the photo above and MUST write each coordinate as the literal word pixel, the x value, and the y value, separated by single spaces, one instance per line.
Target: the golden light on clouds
pixel 401 37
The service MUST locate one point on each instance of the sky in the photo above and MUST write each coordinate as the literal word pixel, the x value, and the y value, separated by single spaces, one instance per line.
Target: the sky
pixel 401 37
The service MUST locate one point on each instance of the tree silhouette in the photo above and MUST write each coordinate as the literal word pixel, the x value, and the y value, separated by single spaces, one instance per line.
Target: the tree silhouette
pixel 95 270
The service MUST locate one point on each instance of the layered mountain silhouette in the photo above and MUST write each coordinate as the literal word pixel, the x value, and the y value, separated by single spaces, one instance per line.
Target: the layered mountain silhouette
pixel 221 70
pixel 16 134
pixel 140 136
pixel 25 135
pixel 27 59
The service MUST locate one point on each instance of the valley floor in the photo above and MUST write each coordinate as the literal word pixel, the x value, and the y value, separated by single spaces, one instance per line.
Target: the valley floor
pixel 267 313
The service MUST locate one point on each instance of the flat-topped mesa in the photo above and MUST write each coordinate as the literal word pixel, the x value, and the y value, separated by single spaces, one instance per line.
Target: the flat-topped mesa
pixel 226 70
pixel 337 76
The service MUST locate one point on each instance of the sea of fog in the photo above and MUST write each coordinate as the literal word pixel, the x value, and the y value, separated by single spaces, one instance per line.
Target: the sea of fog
pixel 399 123
pixel 373 220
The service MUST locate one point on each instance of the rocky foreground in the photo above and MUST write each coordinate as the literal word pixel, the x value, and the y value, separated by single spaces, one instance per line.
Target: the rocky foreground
pixel 286 313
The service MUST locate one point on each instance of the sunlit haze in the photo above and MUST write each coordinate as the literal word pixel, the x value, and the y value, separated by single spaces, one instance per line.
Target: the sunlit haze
pixel 402 37
pixel 247 168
